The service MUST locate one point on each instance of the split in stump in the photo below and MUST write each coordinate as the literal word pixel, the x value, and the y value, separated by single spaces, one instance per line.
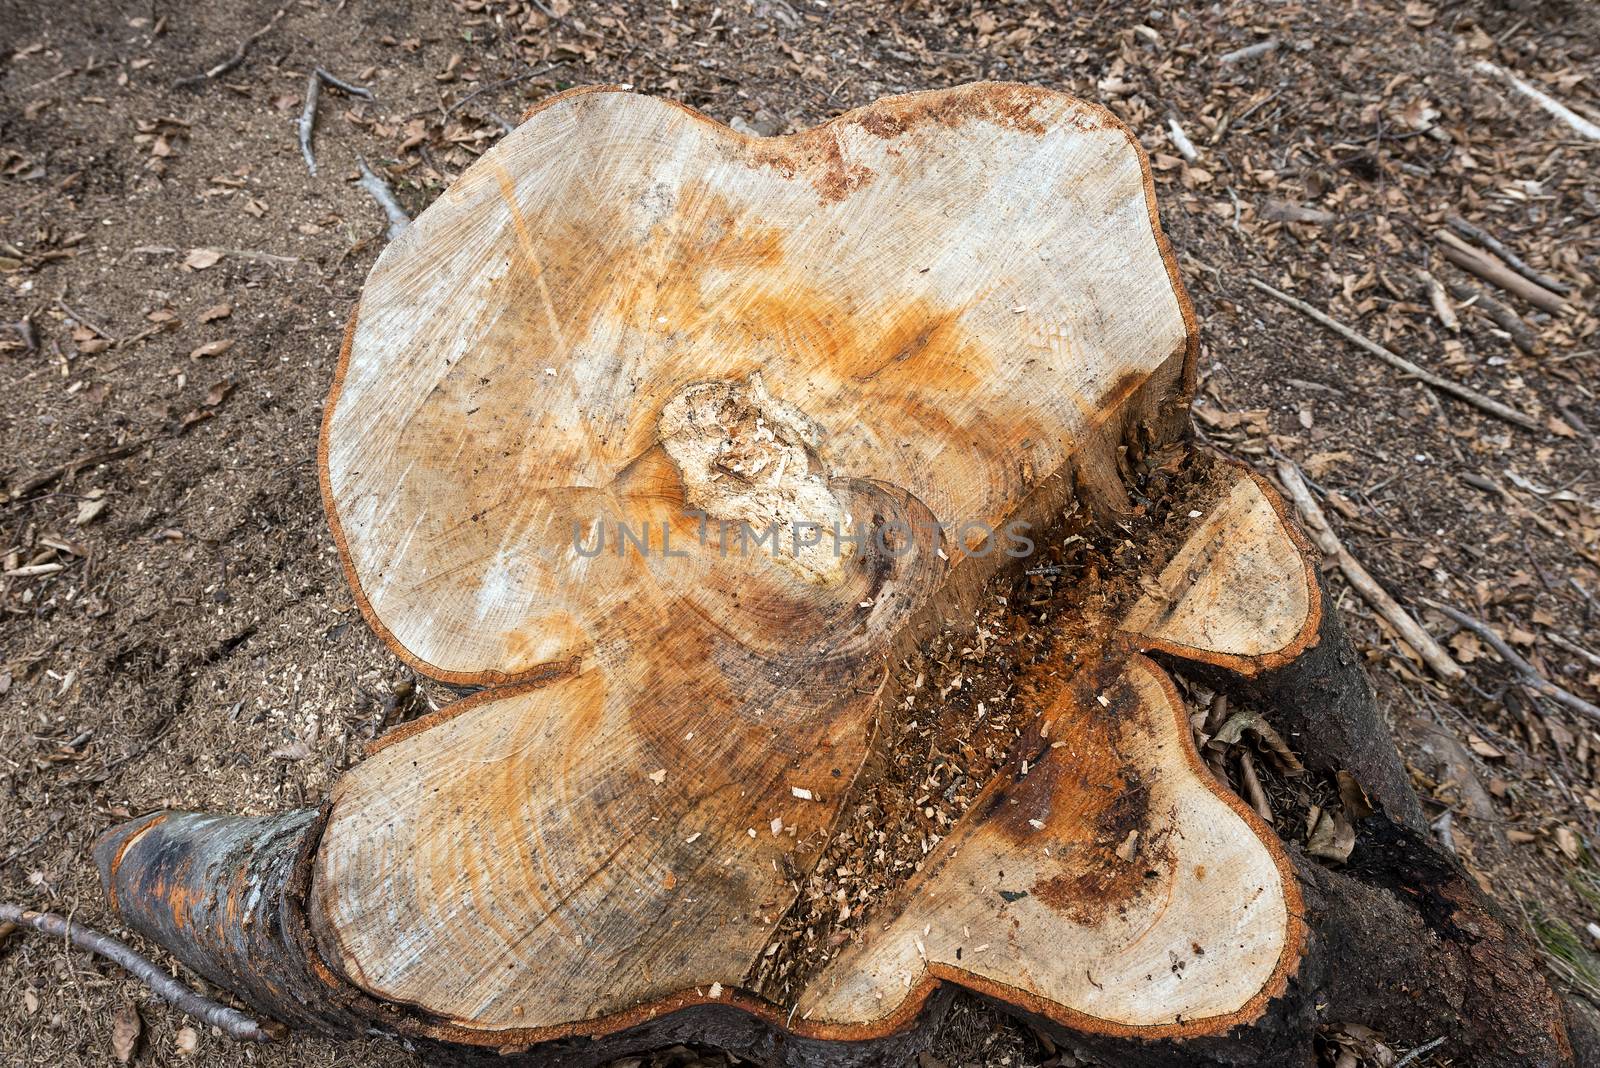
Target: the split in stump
pixel 724 470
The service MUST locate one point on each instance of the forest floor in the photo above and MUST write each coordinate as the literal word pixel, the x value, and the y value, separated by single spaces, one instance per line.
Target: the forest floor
pixel 174 626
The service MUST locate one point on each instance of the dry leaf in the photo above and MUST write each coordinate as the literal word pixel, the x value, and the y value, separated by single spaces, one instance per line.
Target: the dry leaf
pixel 1568 842
pixel 295 750
pixel 126 1027
pixel 216 311
pixel 212 348
pixel 1334 838
pixel 88 511
pixel 188 1041
pixel 201 258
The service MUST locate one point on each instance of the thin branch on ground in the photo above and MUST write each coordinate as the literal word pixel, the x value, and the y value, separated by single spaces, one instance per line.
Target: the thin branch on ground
pixel 232 61
pixel 343 86
pixel 1522 335
pixel 1492 270
pixel 308 119
pixel 1550 104
pixel 1515 262
pixel 45 478
pixel 1432 653
pixel 232 1022
pixel 1400 363
pixel 1419 1052
pixel 1527 674
pixel 502 83
pixel 1574 648
pixel 308 114
pixel 379 190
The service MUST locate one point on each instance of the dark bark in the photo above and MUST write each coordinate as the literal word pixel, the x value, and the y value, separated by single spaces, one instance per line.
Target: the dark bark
pixel 221 892
pixel 1323 705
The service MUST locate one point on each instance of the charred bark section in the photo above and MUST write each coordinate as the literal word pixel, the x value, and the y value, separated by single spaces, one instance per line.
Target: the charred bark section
pixel 748 1037
pixel 1322 703
pixel 221 892
pixel 1411 947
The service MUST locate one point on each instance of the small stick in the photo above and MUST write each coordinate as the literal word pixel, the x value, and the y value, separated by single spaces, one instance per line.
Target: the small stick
pixel 1180 140
pixel 343 86
pixel 82 321
pixel 308 119
pixel 1528 675
pixel 1419 1052
pixel 1515 262
pixel 1441 303
pixel 232 1022
pixel 44 478
pixel 1445 385
pixel 1574 648
pixel 1248 52
pixel 1554 107
pixel 232 61
pixel 379 190
pixel 1321 532
pixel 1522 336
pixel 502 83
pixel 308 115
pixel 1496 273
pixel 1252 786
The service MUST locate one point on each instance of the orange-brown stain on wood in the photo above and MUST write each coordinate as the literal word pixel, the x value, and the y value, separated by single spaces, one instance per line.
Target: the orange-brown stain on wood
pixel 1108 848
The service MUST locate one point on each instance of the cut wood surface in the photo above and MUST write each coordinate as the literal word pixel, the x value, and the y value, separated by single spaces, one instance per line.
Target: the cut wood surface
pixel 688 453
pixel 950 294
pixel 758 331
pixel 1239 591
pixel 1113 881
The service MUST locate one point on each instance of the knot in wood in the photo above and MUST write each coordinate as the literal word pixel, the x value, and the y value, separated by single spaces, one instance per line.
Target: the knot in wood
pixel 750 461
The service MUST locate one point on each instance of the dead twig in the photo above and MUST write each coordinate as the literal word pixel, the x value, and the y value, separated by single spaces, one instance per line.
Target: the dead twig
pixel 232 1022
pixel 232 61
pixel 1441 303
pixel 72 467
pixel 1551 105
pixel 343 86
pixel 81 320
pixel 1528 675
pixel 1522 335
pixel 502 83
pixel 1574 648
pixel 308 114
pixel 379 190
pixel 1515 262
pixel 1261 48
pixel 308 120
pixel 1419 1052
pixel 1496 273
pixel 1444 385
pixel 1321 532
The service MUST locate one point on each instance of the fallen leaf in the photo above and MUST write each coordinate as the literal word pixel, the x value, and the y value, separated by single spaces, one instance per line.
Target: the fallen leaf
pixel 295 750
pixel 188 1040
pixel 1484 749
pixel 201 258
pixel 126 1027
pixel 216 311
pixel 212 348
pixel 1568 842
pixel 88 511
pixel 1334 838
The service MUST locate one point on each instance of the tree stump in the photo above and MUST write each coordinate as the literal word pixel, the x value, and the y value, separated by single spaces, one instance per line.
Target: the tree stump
pixel 816 522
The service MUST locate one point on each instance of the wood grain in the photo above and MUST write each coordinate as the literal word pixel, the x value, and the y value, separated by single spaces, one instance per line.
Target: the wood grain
pixel 625 338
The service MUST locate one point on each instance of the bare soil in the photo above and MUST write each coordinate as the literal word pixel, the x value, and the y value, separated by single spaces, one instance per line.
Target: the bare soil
pixel 174 626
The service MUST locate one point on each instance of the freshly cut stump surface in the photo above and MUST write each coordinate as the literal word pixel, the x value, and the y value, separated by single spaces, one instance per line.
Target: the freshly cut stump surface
pixel 677 441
